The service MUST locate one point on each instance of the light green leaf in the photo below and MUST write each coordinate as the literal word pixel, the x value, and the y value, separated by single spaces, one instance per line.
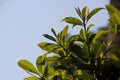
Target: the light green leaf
pixel 72 20
pixel 83 35
pixel 49 37
pixel 85 76
pixel 27 66
pixel 93 12
pixel 31 78
pixel 50 60
pixel 85 12
pixel 64 33
pixel 49 47
pixel 88 28
pixel 114 13
pixel 40 63
pixel 98 34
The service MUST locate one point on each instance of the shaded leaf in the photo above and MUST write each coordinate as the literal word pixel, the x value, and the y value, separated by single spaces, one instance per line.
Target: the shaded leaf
pixel 27 66
pixel 88 28
pixel 93 12
pixel 78 12
pixel 85 76
pixel 53 31
pixel 49 37
pixel 98 34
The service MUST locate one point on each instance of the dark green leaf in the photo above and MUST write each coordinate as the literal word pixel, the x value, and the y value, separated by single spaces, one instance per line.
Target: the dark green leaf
pixel 54 32
pixel 85 76
pixel 78 12
pixel 49 37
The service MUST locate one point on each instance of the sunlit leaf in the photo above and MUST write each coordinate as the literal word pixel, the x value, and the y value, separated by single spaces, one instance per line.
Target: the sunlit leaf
pixel 31 78
pixel 83 34
pixel 93 12
pixel 49 47
pixel 64 33
pixel 72 20
pixel 40 63
pixel 27 66
pixel 85 12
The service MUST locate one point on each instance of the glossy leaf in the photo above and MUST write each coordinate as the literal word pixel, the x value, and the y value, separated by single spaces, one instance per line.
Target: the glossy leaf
pixel 31 78
pixel 72 20
pixel 27 66
pixel 93 12
pixel 49 37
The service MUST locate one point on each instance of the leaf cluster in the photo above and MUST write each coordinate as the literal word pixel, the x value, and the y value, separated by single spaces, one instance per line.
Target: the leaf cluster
pixel 79 57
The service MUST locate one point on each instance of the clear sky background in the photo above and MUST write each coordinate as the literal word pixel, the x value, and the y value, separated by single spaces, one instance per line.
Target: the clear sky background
pixel 22 23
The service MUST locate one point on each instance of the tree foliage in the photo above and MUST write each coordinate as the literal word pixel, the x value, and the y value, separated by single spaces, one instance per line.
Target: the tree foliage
pixel 82 56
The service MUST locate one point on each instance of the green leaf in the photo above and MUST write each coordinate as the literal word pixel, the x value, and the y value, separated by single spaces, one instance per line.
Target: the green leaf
pixel 50 60
pixel 40 63
pixel 114 29
pixel 93 12
pixel 72 20
pixel 64 33
pixel 98 34
pixel 83 35
pixel 53 31
pixel 114 13
pixel 85 13
pixel 78 12
pixel 85 76
pixel 27 66
pixel 88 28
pixel 49 47
pixel 49 37
pixel 31 78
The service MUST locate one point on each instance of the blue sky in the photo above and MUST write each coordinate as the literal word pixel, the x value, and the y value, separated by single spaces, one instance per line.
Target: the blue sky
pixel 22 23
